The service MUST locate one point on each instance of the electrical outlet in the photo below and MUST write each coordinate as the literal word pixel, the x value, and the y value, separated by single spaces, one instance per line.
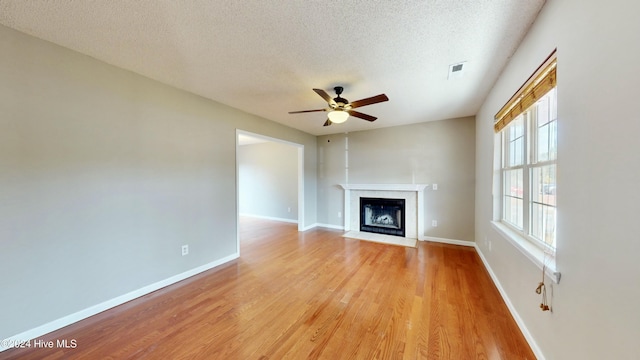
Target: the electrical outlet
pixel 289 209
pixel 434 223
pixel 339 214
pixel 435 186
pixel 185 250
pixel 489 245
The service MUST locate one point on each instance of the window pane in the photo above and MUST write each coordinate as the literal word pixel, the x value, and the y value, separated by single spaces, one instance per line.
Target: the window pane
pixel 543 110
pixel 546 127
pixel 513 197
pixel 543 143
pixel 553 140
pixel 516 127
pixel 543 204
pixel 547 141
pixel 543 184
pixel 516 142
pixel 553 104
pixel 543 224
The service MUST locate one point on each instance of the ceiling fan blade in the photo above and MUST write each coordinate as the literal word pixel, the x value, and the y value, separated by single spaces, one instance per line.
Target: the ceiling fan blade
pixel 361 115
pixel 327 123
pixel 369 101
pixel 306 111
pixel 325 96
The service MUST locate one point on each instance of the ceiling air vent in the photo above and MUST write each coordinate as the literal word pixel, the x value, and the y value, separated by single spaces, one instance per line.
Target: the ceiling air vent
pixel 457 70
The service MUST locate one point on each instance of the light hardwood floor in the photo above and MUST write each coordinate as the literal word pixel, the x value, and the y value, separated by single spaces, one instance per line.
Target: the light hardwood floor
pixel 311 295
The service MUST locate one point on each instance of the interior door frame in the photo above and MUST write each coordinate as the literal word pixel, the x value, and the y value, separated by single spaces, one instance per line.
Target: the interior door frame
pixel 300 172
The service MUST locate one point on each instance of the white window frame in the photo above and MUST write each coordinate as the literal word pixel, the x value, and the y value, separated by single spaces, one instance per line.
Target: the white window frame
pixel 530 161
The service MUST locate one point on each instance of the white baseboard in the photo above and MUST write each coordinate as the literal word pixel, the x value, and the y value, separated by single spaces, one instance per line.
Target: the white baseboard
pixel 95 309
pixel 309 227
pixel 270 218
pixel 328 226
pixel 448 241
pixel 525 331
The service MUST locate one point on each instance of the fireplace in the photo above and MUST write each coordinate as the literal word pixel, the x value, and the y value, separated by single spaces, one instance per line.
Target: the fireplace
pixel 382 216
pixel 413 195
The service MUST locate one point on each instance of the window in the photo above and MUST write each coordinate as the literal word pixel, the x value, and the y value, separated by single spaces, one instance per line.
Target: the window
pixel 528 148
pixel 529 152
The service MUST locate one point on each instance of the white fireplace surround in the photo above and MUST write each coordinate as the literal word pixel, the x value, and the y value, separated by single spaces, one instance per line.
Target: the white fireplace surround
pixel 413 194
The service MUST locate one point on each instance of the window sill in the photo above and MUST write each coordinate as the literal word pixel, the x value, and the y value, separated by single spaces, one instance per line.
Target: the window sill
pixel 530 250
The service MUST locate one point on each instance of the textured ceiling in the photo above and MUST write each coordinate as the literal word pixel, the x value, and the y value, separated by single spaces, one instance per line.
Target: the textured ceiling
pixel 265 56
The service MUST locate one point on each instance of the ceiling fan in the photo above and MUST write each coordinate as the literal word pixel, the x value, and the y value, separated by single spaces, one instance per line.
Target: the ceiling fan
pixel 339 108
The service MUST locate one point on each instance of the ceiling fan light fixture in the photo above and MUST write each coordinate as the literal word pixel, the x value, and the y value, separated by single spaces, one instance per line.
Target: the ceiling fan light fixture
pixel 338 116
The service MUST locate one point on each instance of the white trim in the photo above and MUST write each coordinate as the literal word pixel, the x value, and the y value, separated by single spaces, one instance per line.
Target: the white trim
pixel 109 304
pixel 328 226
pixel 450 241
pixel 532 252
pixel 300 187
pixel 385 187
pixel 292 221
pixel 347 209
pixel 420 214
pixel 267 138
pixel 521 324
pixel 309 227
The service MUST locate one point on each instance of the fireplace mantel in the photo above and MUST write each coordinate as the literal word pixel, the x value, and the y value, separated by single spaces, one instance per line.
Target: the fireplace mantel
pixel 417 230
pixel 385 187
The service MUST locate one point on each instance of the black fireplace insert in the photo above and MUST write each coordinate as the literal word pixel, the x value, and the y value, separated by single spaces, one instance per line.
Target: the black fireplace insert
pixel 382 216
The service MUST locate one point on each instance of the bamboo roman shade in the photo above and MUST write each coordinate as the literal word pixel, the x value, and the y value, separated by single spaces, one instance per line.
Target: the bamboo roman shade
pixel 540 83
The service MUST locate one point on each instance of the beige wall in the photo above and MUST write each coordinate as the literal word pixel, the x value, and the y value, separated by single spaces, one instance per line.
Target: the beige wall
pixel 441 152
pixel 104 174
pixel 595 306
pixel 268 180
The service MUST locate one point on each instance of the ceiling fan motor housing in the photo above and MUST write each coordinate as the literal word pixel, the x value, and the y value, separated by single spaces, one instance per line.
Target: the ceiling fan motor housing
pixel 340 101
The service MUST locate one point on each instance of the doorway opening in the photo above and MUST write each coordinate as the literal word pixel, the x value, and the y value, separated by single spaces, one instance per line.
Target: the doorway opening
pixel 269 179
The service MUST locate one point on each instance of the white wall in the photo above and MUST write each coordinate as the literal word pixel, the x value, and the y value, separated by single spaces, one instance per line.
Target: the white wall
pixel 104 174
pixel 268 180
pixel 595 306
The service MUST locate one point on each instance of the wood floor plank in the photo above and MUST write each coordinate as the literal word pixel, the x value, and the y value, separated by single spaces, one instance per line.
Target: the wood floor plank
pixel 311 295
